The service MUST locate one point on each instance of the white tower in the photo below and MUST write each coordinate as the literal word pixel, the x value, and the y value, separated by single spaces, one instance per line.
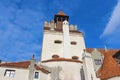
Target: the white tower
pixel 63 46
pixel 66 38
pixel 61 39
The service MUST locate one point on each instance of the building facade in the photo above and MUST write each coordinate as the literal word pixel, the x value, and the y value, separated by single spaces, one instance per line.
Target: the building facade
pixel 25 70
pixel 63 47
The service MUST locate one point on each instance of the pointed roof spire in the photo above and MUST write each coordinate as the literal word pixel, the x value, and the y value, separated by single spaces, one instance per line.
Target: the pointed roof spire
pixel 61 13
pixel 105 48
pixel 33 57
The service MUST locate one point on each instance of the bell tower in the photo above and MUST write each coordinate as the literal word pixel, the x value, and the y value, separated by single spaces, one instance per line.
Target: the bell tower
pixel 59 18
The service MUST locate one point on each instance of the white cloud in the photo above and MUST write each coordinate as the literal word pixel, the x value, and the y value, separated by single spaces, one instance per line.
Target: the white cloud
pixel 114 22
pixel 20 29
pixel 111 32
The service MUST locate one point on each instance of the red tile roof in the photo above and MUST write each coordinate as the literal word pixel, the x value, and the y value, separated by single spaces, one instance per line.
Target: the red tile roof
pixel 110 51
pixel 42 69
pixel 24 64
pixel 62 59
pixel 109 68
pixel 61 13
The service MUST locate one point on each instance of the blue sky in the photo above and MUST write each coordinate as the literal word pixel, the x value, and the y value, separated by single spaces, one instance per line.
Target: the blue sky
pixel 21 24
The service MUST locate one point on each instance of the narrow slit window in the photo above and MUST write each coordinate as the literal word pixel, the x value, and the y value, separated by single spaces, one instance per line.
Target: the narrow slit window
pixel 36 76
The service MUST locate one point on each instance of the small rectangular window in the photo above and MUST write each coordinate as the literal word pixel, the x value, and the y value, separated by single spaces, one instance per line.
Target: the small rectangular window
pixel 9 73
pixel 98 61
pixel 36 75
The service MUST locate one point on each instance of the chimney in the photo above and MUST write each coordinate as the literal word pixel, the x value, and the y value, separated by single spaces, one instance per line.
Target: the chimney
pixel 32 68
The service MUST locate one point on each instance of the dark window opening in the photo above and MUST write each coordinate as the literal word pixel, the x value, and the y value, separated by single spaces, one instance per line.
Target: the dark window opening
pixel 57 41
pixel 73 43
pixel 55 56
pixel 117 55
pixel 98 61
pixel 9 73
pixel 36 75
pixel 75 57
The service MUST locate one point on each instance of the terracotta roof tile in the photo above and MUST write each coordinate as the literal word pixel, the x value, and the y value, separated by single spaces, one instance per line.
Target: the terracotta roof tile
pixel 62 59
pixel 42 69
pixel 110 51
pixel 109 68
pixel 61 13
pixel 24 64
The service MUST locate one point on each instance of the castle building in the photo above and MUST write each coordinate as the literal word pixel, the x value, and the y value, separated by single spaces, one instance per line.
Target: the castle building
pixel 64 49
pixel 24 70
pixel 65 57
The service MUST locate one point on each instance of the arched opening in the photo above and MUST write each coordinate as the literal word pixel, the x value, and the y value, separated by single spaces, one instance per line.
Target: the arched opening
pixel 55 56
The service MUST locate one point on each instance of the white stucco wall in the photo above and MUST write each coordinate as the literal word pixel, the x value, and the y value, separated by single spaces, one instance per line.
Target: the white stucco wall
pixel 20 74
pixel 43 76
pixel 97 55
pixel 114 78
pixel 49 48
pixel 88 67
pixel 77 50
pixel 70 70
